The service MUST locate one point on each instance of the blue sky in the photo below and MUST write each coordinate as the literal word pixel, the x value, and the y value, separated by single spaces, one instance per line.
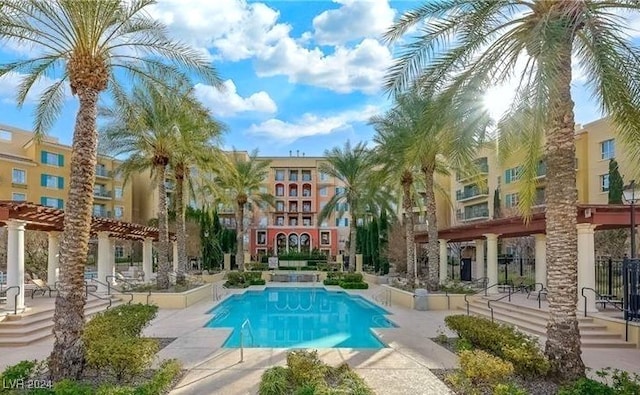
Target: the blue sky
pixel 300 75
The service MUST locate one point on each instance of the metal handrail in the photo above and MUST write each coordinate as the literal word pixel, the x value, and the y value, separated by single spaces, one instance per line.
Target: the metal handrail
pixel 86 288
pixel 246 323
pixel 383 297
pixel 101 298
pixel 116 289
pixel 217 294
pixel 497 300
pixel 626 321
pixel 466 301
pixel 15 297
pixel 116 279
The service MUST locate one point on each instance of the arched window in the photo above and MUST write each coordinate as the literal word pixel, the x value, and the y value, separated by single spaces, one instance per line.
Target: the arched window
pixel 293 242
pixel 281 243
pixel 305 242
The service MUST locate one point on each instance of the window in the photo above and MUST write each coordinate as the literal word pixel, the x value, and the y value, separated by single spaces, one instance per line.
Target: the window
pixel 293 175
pixel 324 191
pixel 511 200
pixel 293 221
pixel 279 175
pixel 53 159
pixel 19 197
pixel 511 175
pixel 306 175
pixel 306 221
pixel 5 135
pixel 476 211
pixel 279 190
pixel 280 221
pixel 50 181
pixel 604 183
pixel 119 252
pixel 325 238
pixel 52 202
pixel 118 211
pixel 99 210
pixel 608 149
pixel 279 205
pixel 263 189
pixel 324 176
pixel 101 170
pixel 342 207
pixel 293 191
pixel 118 194
pixel 19 176
pixel 262 238
pixel 342 222
pixel 339 190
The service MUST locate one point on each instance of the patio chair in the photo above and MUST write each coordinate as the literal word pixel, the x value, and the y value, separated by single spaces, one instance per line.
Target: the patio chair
pixel 41 286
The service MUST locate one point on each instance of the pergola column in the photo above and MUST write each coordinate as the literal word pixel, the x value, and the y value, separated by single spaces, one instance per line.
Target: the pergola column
pixel 111 269
pixel 104 259
pixel 15 264
pixel 586 266
pixel 541 258
pixel 175 255
pixel 443 260
pixel 52 257
pixel 147 258
pixel 492 261
pixel 479 258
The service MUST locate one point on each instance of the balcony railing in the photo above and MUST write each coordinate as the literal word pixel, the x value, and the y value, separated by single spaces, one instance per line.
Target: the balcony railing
pixel 420 227
pixel 472 215
pixel 102 212
pixel 102 172
pixel 468 194
pixel 102 193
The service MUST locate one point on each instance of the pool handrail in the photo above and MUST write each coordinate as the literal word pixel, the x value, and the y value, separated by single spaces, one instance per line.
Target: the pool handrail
pixel 246 323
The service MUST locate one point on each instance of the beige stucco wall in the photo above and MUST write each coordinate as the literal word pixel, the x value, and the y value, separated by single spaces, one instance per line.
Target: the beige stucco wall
pixel 175 300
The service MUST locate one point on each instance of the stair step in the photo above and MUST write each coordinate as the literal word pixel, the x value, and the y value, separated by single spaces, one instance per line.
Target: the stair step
pixel 505 305
pixel 40 329
pixel 45 315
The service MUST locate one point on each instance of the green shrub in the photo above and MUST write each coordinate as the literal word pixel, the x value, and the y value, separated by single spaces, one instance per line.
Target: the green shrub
pixel 331 281
pixel 235 279
pixel 257 282
pixel 275 381
pixel 307 389
pixel 259 266
pixel 463 344
pixel 335 275
pixel 585 386
pixel 162 379
pixel 305 367
pixel 126 319
pixel 502 341
pixel 508 389
pixel 20 371
pixel 352 277
pixel 354 285
pixel 70 387
pixel 483 368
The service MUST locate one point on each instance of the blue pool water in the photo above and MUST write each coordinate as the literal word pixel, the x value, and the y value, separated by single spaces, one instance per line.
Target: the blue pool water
pixel 300 318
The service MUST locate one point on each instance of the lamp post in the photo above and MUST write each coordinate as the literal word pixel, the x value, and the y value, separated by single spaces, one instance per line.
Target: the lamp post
pixel 632 197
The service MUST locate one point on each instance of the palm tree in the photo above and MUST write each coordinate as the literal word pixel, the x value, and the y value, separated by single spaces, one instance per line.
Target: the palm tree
pixel 353 166
pixel 240 185
pixel 151 126
pixel 393 136
pixel 195 151
pixel 84 43
pixel 467 44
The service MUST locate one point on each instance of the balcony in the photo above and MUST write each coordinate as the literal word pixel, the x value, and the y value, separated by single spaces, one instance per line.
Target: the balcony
pixel 483 170
pixel 102 212
pixel 470 194
pixel 101 193
pixel 473 215
pixel 101 172
pixel 541 172
pixel 420 227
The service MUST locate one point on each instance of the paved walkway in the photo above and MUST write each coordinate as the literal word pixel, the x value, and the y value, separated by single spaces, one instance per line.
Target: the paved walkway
pixel 403 368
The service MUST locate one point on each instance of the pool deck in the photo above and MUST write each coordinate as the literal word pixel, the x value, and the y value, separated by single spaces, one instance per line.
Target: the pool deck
pixel 403 368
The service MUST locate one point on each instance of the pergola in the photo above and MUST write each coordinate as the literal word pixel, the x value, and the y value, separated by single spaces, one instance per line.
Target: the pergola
pixel 21 216
pixel 590 217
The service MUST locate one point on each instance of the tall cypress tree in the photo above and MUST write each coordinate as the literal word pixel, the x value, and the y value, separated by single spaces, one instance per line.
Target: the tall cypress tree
pixel 616 184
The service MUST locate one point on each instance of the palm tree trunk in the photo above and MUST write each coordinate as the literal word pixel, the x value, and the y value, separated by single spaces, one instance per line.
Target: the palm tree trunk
pixel 563 336
pixel 433 249
pixel 164 268
pixel 67 358
pixel 240 236
pixel 353 235
pixel 181 231
pixel 407 206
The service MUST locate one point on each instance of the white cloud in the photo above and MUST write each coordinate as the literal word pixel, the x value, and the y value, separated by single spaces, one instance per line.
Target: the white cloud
pixel 10 82
pixel 355 19
pixel 361 68
pixel 237 30
pixel 312 125
pixel 228 102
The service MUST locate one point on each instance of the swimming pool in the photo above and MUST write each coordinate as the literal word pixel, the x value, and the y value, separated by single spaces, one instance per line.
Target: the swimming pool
pixel 300 318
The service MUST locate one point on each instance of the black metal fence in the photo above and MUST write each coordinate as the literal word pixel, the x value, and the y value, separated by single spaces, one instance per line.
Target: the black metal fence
pixel 609 277
pixel 631 284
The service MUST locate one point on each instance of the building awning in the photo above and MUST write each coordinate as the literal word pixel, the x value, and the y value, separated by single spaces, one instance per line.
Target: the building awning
pixel 47 219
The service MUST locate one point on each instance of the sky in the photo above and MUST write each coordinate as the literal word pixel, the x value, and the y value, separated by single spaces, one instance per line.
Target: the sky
pixel 300 76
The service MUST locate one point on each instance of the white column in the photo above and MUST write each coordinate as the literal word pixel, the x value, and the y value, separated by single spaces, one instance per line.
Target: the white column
pixel 52 257
pixel 175 255
pixel 111 269
pixel 586 266
pixel 443 261
pixel 15 263
pixel 104 259
pixel 541 258
pixel 492 261
pixel 359 261
pixel 227 262
pixel 147 258
pixel 479 258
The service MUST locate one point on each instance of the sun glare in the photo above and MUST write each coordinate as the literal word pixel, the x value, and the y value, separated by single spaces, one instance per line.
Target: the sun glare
pixel 498 99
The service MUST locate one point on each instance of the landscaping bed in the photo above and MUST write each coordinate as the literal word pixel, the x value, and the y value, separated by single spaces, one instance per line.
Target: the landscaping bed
pixel 346 280
pixel 500 360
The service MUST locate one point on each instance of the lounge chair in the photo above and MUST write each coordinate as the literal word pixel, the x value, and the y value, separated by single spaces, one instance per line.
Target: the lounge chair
pixel 41 286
